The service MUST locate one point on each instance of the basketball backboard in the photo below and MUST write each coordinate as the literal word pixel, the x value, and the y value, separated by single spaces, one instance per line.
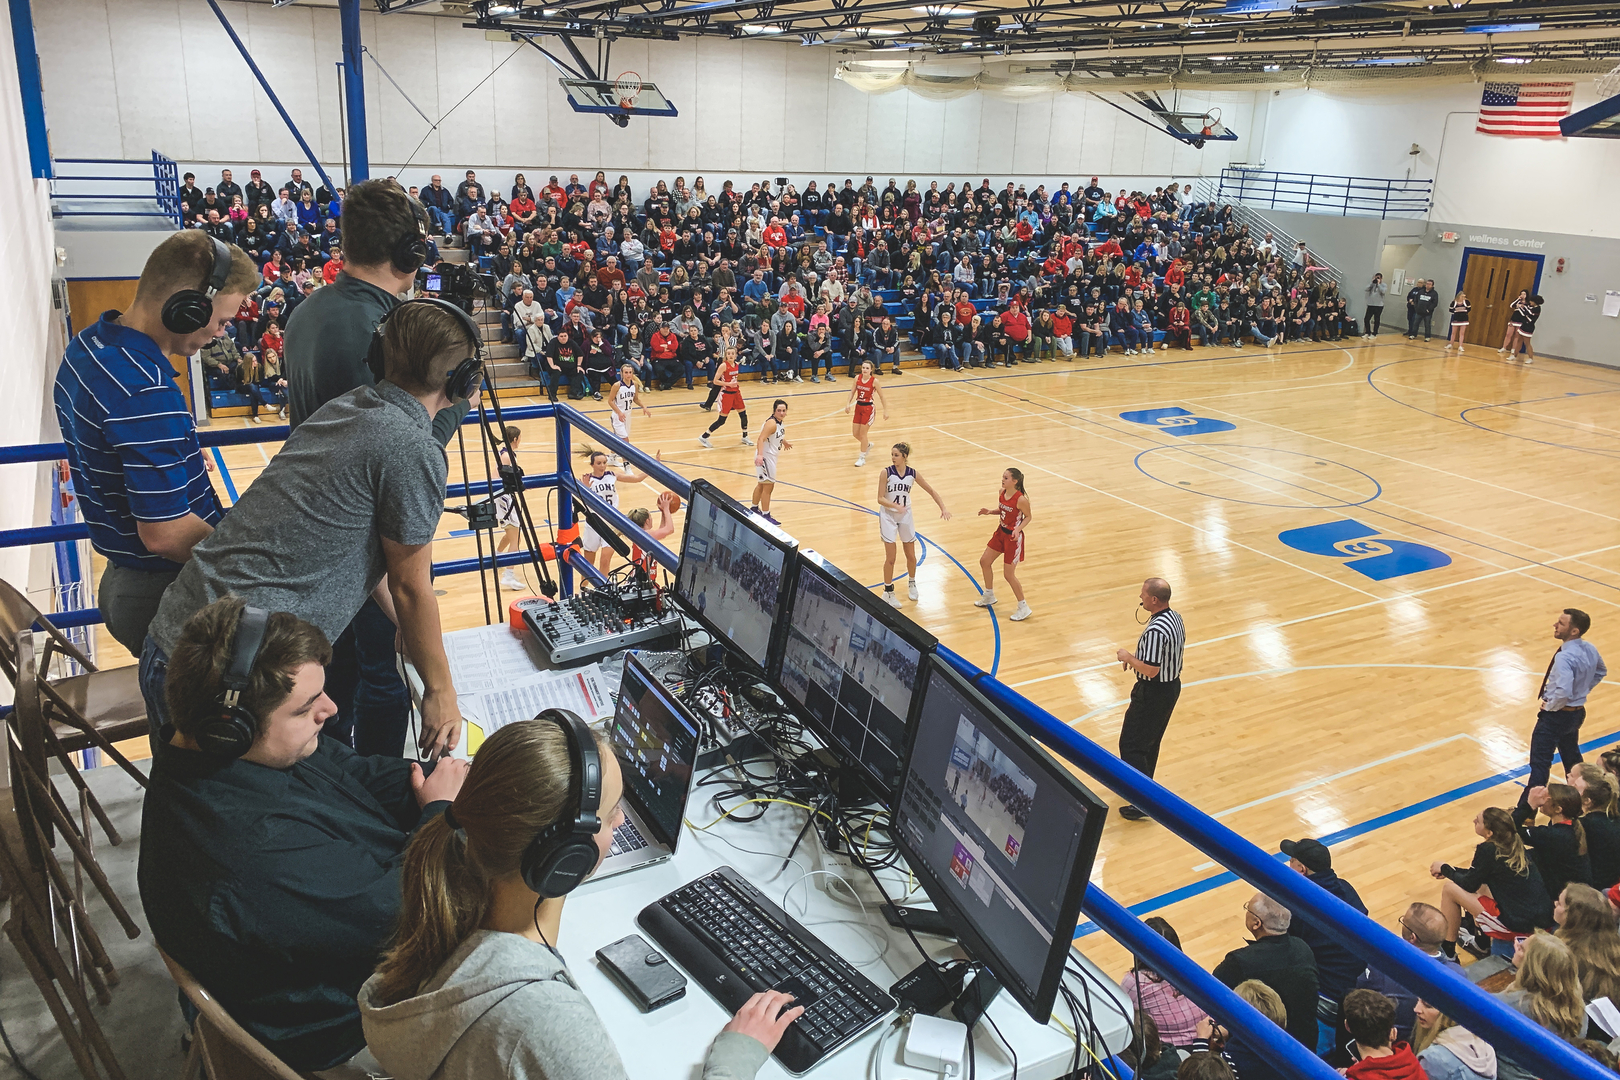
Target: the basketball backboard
pixel 600 96
pixel 1600 121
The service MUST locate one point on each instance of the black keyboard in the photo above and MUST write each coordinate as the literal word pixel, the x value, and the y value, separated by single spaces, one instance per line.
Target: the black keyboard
pixel 735 942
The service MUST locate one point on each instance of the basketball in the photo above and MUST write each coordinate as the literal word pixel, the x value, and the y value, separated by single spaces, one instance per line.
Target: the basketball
pixel 670 501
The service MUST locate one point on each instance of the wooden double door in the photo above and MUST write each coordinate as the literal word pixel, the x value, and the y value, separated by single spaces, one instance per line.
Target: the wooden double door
pixel 1492 282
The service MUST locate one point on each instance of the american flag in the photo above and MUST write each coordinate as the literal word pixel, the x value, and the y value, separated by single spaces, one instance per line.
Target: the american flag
pixel 1528 110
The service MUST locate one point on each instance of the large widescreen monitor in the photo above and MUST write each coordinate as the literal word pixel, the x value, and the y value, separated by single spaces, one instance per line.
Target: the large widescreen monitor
pixel 1001 836
pixel 734 570
pixel 850 670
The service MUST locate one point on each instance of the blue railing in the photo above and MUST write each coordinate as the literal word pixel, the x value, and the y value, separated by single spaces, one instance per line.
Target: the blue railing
pixel 117 187
pixel 1508 1030
pixel 1319 193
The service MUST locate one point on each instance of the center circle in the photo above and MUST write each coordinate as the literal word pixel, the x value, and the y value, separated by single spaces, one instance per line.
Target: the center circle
pixel 1259 475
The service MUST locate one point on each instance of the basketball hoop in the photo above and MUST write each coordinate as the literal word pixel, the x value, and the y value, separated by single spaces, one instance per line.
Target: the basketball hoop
pixel 626 89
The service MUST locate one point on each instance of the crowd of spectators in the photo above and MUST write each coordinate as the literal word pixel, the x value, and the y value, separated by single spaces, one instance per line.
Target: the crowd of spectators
pixel 1539 903
pixel 593 275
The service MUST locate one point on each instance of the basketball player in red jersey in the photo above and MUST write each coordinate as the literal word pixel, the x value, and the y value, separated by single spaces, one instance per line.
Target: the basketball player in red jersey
pixel 731 399
pixel 860 399
pixel 1007 541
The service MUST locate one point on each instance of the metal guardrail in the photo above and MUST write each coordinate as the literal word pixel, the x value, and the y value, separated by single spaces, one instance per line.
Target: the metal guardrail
pixel 1207 190
pixel 117 187
pixel 1321 193
pixel 1511 1031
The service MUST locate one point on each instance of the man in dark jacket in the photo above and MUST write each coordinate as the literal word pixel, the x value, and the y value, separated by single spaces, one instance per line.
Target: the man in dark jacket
pixel 1336 966
pixel 271 870
pixel 1420 304
pixel 1423 925
pixel 1278 959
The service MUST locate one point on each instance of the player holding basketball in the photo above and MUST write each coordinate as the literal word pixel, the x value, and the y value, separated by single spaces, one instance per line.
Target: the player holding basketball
pixel 626 396
pixel 860 399
pixel 731 399
pixel 603 482
pixel 668 504
pixel 894 520
pixel 772 441
pixel 1007 541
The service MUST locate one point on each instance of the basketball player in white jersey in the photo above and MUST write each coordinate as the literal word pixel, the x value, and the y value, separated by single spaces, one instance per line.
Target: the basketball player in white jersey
pixel 772 441
pixel 603 482
pixel 894 519
pixel 506 509
pixel 626 396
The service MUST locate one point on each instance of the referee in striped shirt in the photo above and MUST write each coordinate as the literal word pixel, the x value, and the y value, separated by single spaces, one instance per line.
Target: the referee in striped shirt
pixel 1157 663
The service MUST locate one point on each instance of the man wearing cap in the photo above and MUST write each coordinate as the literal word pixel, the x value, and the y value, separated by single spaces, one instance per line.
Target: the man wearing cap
pixel 258 193
pixel 1336 966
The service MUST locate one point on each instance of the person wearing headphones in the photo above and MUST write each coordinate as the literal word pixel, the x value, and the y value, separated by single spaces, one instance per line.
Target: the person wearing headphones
pixel 328 336
pixel 345 511
pixel 271 858
pixel 138 471
pixel 473 984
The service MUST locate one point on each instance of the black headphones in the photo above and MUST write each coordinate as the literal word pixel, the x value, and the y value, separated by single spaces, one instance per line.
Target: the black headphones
pixel 562 853
pixel 411 250
pixel 465 378
pixel 189 310
pixel 229 729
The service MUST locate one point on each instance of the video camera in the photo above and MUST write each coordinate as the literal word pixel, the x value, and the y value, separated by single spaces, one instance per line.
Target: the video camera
pixel 455 281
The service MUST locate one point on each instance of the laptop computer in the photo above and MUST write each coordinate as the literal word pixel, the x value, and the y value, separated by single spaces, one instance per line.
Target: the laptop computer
pixel 655 738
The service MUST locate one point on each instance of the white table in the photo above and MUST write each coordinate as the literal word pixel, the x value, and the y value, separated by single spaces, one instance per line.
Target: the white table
pixel 672 1041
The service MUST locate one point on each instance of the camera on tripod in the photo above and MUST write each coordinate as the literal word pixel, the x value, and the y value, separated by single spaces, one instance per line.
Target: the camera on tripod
pixel 455 282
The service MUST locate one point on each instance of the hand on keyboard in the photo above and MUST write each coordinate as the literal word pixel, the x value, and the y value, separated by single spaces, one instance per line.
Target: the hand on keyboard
pixel 765 1016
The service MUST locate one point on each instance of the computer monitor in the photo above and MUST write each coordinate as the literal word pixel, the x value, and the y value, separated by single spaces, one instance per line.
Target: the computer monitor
pixel 1001 836
pixel 734 572
pixel 850 669
pixel 656 741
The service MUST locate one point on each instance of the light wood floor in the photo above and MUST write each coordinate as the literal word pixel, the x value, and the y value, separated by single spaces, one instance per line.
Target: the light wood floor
pixel 1317 701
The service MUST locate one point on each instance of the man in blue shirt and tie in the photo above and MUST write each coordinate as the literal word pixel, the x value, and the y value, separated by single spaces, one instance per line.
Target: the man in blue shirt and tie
pixel 1575 668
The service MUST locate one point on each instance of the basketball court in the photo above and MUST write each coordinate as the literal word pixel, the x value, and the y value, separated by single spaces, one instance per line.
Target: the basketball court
pixel 1368 543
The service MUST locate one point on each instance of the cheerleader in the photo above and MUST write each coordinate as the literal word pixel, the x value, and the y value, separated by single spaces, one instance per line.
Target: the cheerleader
pixel 731 399
pixel 1014 515
pixel 1459 322
pixel 860 399
pixel 1510 336
pixel 1526 319
pixel 894 519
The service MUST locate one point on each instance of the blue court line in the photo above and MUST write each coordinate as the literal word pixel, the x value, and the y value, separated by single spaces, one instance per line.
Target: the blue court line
pixel 225 474
pixel 1198 888
pixel 995 624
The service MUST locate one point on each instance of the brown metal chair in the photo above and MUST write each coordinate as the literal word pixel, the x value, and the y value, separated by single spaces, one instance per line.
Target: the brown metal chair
pixel 93 709
pixel 221 1049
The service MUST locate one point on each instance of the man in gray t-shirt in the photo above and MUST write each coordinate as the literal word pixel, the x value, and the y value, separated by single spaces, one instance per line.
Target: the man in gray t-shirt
pixel 355 494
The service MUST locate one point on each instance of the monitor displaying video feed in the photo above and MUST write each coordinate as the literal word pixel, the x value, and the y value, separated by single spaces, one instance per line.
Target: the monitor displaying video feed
pixel 733 572
pixel 1001 835
pixel 850 669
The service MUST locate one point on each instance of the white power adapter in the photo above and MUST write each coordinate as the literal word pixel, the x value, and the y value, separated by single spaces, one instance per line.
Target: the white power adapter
pixel 932 1043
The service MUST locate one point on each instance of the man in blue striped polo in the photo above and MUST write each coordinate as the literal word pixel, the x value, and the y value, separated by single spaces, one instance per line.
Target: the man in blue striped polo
pixel 138 471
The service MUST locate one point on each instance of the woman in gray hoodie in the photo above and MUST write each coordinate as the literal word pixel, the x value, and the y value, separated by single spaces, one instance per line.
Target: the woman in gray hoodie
pixel 473 985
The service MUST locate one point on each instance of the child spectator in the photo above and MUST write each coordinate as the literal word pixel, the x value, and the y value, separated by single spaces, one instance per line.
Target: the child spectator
pixel 1370 1016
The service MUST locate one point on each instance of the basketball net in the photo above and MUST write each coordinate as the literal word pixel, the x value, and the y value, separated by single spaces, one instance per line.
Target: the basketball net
pixel 1609 85
pixel 627 88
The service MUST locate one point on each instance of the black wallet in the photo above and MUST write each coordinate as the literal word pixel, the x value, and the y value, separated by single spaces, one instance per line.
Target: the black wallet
pixel 642 972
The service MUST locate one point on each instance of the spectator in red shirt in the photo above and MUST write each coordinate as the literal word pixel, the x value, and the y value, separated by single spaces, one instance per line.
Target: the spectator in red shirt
pixel 964 310
pixel 271 340
pixel 1175 274
pixel 247 317
pixel 663 346
pixel 329 272
pixel 554 191
pixel 775 235
pixel 1063 328
pixel 1015 324
pixel 1370 1018
pixel 1181 326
